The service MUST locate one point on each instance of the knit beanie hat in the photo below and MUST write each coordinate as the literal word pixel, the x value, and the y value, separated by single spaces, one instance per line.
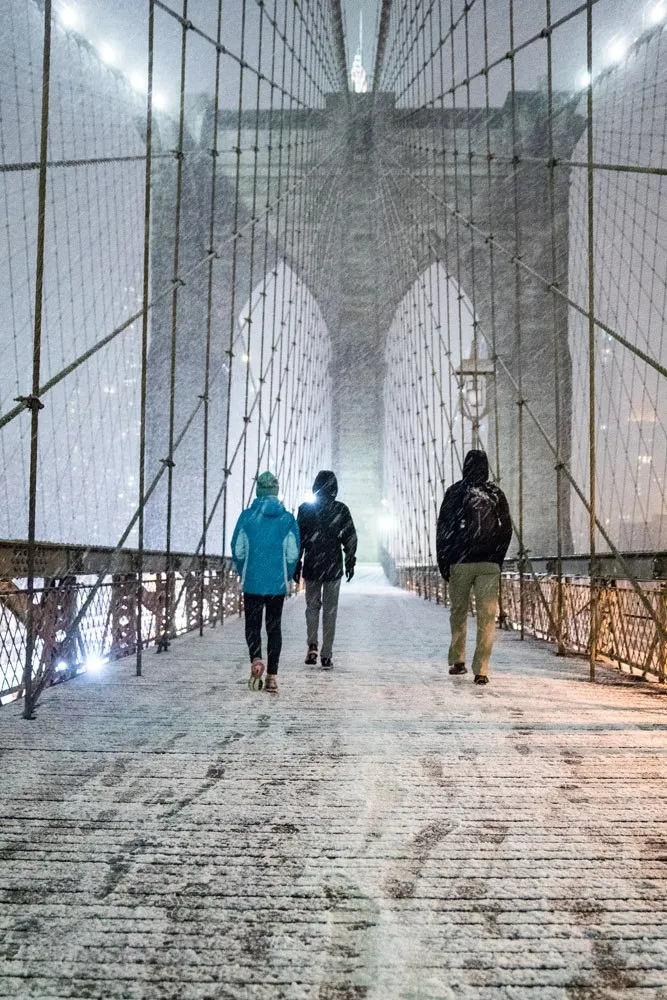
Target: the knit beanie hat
pixel 267 485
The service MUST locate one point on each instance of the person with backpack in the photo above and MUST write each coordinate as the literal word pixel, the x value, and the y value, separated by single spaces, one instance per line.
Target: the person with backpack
pixel 265 550
pixel 327 533
pixel 473 534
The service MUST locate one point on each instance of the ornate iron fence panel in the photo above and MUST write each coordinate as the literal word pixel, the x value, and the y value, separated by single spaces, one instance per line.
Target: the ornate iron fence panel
pixel 200 592
pixel 627 636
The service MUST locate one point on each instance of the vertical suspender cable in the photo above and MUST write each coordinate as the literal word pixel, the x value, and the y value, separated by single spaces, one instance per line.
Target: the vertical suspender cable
pixel 560 646
pixel 209 317
pixel 144 336
pixel 34 402
pixel 232 309
pixel 162 645
pixel 517 310
pixel 592 460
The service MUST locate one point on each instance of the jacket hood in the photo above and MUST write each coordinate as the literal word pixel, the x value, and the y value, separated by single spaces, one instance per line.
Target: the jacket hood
pixel 269 506
pixel 326 484
pixel 476 467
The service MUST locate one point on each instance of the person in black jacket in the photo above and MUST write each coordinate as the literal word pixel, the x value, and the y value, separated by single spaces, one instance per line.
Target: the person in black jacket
pixel 327 531
pixel 472 537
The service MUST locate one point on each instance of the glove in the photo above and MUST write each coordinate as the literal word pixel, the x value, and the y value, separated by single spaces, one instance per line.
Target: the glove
pixel 349 569
pixel 297 573
pixel 444 572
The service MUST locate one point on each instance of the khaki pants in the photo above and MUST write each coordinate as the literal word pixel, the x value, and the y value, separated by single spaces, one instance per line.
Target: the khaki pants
pixel 322 596
pixel 482 578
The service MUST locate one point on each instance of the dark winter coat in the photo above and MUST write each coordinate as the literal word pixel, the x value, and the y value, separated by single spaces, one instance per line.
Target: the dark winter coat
pixel 474 524
pixel 327 531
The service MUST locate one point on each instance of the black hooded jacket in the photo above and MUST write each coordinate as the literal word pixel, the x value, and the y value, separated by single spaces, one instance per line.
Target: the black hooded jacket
pixel 474 524
pixel 327 530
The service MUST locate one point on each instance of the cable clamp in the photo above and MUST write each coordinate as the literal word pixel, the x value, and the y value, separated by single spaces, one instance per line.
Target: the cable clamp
pixel 178 154
pixel 168 463
pixel 32 403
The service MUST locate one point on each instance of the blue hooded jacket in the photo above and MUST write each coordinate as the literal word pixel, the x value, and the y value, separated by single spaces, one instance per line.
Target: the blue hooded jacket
pixel 265 547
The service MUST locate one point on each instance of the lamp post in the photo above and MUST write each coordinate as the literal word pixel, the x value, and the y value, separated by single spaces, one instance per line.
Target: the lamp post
pixel 473 374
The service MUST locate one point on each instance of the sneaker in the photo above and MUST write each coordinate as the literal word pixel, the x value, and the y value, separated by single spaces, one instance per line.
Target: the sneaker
pixel 481 679
pixel 255 682
pixel 271 683
pixel 458 668
pixel 326 662
pixel 311 655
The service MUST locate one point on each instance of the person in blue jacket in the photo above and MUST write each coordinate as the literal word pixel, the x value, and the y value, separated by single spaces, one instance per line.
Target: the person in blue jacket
pixel 265 550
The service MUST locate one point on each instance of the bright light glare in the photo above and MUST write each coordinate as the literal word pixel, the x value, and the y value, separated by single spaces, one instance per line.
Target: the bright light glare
pixel 384 502
pixel 584 80
pixel 61 667
pixel 617 50
pixel 245 359
pixel 94 664
pixel 70 17
pixel 159 101
pixel 386 522
pixel 656 14
pixel 138 81
pixel 108 53
pixel 309 497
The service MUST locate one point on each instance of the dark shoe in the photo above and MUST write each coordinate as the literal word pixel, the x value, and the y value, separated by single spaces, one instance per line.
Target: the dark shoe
pixel 458 668
pixel 311 655
pixel 271 683
pixel 481 679
pixel 326 662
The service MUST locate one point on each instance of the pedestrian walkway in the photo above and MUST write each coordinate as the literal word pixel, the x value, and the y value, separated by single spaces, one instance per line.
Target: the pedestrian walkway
pixel 381 831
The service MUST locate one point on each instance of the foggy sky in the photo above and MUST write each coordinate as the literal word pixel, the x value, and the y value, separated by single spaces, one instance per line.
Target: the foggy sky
pixel 123 25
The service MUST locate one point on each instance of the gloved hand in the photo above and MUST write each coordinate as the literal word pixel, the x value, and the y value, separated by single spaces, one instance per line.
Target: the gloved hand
pixel 297 573
pixel 349 569
pixel 444 572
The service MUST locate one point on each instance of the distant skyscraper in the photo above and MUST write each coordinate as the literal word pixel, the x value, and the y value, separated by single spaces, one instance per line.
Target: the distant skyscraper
pixel 358 74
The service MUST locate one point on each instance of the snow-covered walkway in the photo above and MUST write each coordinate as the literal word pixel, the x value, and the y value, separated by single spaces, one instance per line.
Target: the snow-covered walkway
pixel 382 831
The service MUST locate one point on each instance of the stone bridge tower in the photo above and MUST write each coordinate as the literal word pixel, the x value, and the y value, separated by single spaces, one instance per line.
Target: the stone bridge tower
pixel 366 133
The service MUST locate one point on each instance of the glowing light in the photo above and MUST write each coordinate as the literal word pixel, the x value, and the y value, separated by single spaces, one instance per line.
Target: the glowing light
pixel 245 359
pixel 386 522
pixel 309 497
pixel 585 80
pixel 138 81
pixel 61 667
pixel 617 50
pixel 70 17
pixel 384 502
pixel 94 664
pixel 159 101
pixel 108 54
pixel 656 13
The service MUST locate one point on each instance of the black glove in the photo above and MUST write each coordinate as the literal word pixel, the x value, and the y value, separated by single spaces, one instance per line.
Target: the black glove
pixel 444 572
pixel 297 573
pixel 349 569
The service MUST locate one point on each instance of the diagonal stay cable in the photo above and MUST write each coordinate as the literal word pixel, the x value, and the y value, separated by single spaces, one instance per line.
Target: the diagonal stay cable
pixel 211 255
pixel 662 630
pixel 490 240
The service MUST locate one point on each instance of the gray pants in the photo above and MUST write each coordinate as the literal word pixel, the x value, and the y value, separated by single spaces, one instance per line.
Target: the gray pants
pixel 324 596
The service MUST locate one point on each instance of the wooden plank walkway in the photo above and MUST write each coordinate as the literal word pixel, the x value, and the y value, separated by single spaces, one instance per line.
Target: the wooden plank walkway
pixel 380 831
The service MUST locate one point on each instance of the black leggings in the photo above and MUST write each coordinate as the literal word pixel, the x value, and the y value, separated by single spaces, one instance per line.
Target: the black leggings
pixel 254 605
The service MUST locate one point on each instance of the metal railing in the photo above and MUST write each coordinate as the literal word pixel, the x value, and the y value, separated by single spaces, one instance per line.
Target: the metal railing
pixel 195 592
pixel 627 636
